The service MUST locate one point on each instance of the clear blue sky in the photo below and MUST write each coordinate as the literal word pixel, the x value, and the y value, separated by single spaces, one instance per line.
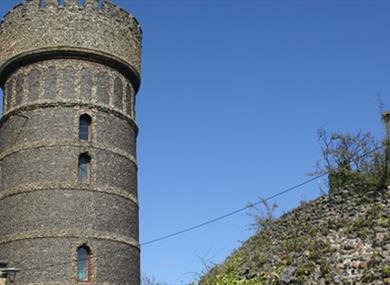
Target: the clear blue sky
pixel 233 93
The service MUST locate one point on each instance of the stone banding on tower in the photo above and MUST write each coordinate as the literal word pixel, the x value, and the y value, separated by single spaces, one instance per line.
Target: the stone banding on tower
pixel 57 63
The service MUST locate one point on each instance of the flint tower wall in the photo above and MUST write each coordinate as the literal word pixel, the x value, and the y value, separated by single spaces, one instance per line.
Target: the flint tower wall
pixel 58 62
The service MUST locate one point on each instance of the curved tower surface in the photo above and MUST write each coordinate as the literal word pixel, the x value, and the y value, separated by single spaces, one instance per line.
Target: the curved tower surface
pixel 69 71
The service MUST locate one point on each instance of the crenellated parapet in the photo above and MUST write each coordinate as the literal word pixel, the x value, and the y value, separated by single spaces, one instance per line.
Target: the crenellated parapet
pixel 89 29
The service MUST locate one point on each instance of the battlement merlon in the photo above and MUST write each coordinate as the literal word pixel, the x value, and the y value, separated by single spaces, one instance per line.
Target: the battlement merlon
pixel 38 29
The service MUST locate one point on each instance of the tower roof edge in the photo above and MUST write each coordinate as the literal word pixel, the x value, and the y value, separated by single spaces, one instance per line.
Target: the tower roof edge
pixel 39 24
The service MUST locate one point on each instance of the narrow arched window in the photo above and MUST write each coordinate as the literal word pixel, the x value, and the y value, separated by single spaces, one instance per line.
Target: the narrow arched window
pixel 84 167
pixel 85 127
pixel 83 264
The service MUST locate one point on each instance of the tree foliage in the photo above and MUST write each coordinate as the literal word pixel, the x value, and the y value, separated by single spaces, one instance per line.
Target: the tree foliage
pixel 352 160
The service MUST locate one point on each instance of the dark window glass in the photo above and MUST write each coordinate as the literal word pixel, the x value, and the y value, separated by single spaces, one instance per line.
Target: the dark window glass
pixel 84 161
pixel 83 263
pixel 85 127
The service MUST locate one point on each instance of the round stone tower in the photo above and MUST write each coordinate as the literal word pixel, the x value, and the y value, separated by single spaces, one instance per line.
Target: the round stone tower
pixel 69 70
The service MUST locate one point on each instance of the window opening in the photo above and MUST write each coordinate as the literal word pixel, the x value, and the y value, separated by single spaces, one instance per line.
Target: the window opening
pixel 83 264
pixel 84 167
pixel 85 127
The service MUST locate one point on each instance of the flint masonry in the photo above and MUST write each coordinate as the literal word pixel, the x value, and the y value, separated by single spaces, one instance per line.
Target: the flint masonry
pixel 70 71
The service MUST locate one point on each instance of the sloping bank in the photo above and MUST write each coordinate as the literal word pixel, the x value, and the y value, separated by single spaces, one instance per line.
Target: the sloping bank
pixel 341 238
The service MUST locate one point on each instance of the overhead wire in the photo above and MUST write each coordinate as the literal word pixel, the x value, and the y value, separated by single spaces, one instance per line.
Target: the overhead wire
pixel 250 205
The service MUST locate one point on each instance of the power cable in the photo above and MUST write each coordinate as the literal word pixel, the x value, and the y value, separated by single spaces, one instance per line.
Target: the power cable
pixel 251 205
